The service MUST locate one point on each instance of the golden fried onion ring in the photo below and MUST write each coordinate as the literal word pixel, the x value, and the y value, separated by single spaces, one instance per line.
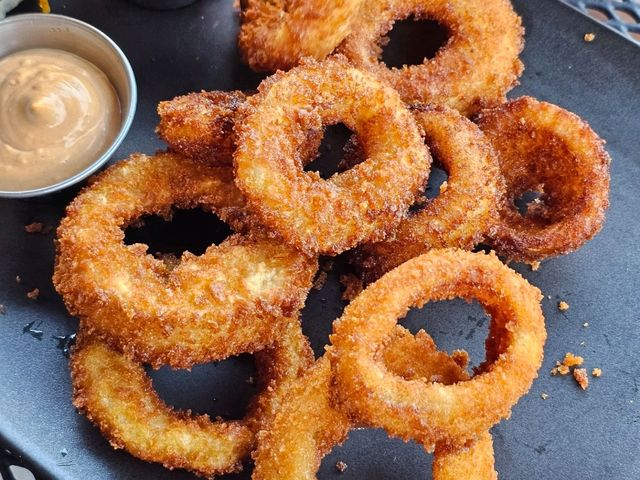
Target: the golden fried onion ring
pixel 546 149
pixel 308 425
pixel 116 394
pixel 474 69
pixel 361 204
pixel 462 214
pixel 228 300
pixel 277 34
pixel 425 411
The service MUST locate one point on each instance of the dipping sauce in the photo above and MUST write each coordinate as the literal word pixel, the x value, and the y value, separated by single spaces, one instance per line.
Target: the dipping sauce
pixel 58 114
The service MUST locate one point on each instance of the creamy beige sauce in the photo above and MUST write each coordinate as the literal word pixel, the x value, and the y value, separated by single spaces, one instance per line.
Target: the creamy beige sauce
pixel 58 114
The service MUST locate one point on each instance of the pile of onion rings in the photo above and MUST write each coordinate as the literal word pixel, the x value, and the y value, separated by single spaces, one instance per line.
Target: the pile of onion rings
pixel 241 157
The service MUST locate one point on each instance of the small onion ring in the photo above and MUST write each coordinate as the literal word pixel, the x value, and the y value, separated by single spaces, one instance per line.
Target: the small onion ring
pixel 361 204
pixel 462 214
pixel 475 69
pixel 542 147
pixel 227 300
pixel 116 394
pixel 428 412
pixel 277 34
pixel 308 425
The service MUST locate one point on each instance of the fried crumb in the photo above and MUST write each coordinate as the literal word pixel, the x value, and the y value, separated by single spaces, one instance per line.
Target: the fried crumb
pixel 534 266
pixel 563 306
pixel 33 294
pixel 580 374
pixel 596 372
pixel 461 357
pixel 583 344
pixel 443 186
pixel 251 380
pixel 560 369
pixel 544 396
pixel 320 280
pixel 3 309
pixel 37 227
pixel 353 286
pixel 589 37
pixel 585 324
pixel 18 279
pixel 341 466
pixel 571 360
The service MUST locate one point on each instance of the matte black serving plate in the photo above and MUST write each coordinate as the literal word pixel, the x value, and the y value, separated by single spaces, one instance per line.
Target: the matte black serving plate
pixel 572 435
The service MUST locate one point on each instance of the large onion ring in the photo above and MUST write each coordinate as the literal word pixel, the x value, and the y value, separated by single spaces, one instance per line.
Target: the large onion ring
pixel 308 425
pixel 475 68
pixel 227 300
pixel 462 214
pixel 116 394
pixel 361 204
pixel 277 34
pixel 417 409
pixel 546 149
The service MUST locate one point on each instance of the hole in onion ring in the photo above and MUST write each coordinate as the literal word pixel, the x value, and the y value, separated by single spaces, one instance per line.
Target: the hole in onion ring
pixel 412 41
pixel 527 200
pixel 436 183
pixel 219 389
pixel 371 453
pixel 191 230
pixel 331 151
pixel 453 325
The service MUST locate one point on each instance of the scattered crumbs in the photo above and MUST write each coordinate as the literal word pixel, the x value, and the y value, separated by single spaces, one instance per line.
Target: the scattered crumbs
pixel 549 297
pixel 585 324
pixel 64 452
pixel 38 227
pixel 580 374
pixel 544 396
pixel 341 466
pixel 18 279
pixel 571 360
pixel 559 369
pixel 251 380
pixel 589 37
pixel 3 309
pixel 443 186
pixel 352 285
pixel 534 266
pixel 583 343
pixel 596 372
pixel 563 306
pixel 33 294
pixel 320 280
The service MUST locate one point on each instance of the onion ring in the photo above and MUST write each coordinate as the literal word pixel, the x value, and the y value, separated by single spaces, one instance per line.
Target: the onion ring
pixel 546 149
pixel 428 412
pixel 200 126
pixel 228 300
pixel 277 34
pixel 307 425
pixel 476 68
pixel 361 204
pixel 462 214
pixel 116 394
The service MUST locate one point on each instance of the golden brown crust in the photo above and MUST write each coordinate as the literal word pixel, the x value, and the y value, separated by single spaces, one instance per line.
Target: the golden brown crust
pixel 475 69
pixel 361 204
pixel 546 149
pixel 277 34
pixel 227 300
pixel 116 394
pixel 428 412
pixel 462 214
pixel 471 462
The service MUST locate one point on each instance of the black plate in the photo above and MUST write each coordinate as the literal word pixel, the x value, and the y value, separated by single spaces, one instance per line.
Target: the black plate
pixel 572 435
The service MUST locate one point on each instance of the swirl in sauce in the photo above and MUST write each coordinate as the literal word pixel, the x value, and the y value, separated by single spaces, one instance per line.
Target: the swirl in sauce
pixel 58 114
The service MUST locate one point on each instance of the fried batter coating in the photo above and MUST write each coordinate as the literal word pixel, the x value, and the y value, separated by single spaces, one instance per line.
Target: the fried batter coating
pixel 430 412
pixel 361 204
pixel 308 425
pixel 277 34
pixel 228 300
pixel 545 149
pixel 472 462
pixel 459 216
pixel 116 394
pixel 477 66
pixel 200 126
